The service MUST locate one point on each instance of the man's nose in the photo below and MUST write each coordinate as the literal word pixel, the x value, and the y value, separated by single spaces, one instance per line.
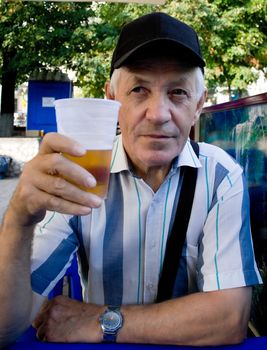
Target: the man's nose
pixel 158 109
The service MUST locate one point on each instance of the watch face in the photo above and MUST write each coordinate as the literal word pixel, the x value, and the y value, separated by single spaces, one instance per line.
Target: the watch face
pixel 111 321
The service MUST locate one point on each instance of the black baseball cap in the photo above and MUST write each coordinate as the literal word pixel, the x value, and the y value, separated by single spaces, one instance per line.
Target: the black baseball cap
pixel 157 32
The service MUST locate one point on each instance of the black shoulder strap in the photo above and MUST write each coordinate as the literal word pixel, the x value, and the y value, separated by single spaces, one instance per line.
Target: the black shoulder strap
pixel 177 235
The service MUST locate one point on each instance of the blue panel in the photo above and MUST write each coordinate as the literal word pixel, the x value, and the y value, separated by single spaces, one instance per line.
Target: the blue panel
pixel 40 116
pixel 240 127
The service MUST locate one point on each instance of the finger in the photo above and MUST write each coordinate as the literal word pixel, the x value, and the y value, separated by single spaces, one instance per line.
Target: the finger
pixel 57 164
pixel 63 189
pixel 42 200
pixel 54 142
pixel 41 332
pixel 41 314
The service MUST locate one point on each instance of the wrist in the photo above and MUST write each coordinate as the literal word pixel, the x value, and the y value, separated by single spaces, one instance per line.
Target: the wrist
pixel 13 223
pixel 20 216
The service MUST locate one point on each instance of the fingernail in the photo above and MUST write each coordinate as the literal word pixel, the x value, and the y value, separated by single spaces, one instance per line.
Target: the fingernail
pixel 85 211
pixel 79 149
pixel 91 181
pixel 98 201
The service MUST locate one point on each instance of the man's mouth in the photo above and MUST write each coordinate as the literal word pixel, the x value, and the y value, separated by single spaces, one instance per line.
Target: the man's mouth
pixel 158 136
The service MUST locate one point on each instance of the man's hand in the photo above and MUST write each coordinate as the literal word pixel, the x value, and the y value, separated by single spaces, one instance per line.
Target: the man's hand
pixel 42 186
pixel 65 320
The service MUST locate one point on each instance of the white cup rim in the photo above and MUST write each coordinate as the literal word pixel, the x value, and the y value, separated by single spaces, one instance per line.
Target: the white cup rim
pixel 65 101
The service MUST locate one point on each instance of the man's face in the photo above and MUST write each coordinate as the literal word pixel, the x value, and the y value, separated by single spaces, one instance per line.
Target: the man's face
pixel 158 108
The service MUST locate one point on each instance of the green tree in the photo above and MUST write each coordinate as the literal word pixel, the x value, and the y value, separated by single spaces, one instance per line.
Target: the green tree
pixel 240 42
pixel 38 35
pixel 233 36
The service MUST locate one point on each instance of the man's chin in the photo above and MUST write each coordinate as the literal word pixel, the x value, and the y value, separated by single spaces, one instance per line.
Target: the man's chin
pixel 159 159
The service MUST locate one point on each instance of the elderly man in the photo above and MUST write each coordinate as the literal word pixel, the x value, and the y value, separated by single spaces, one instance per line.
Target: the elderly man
pixel 157 75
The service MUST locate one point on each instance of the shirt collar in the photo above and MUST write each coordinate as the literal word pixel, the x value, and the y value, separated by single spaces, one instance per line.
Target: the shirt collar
pixel 188 157
pixel 120 161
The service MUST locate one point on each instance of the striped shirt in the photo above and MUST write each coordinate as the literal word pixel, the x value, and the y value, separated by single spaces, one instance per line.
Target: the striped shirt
pixel 121 245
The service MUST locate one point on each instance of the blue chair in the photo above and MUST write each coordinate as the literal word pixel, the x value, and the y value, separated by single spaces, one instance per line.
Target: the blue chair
pixel 73 281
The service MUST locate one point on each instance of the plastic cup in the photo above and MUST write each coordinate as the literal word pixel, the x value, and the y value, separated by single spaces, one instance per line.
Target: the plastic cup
pixel 93 123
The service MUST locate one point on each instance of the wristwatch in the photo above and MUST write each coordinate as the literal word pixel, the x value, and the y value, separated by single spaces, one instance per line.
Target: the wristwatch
pixel 111 322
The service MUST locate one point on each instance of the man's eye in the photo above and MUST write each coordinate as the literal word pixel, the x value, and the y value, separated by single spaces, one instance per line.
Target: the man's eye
pixel 179 92
pixel 138 89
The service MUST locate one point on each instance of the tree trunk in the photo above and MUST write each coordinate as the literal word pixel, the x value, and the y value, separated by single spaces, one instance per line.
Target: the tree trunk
pixel 7 98
pixel 229 91
pixel 6 124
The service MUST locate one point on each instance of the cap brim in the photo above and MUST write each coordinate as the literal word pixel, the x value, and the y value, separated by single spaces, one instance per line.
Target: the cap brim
pixel 179 51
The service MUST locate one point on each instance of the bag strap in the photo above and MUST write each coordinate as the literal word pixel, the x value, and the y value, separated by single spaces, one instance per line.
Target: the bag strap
pixel 176 238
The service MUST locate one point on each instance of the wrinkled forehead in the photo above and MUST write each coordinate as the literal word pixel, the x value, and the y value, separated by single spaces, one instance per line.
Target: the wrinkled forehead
pixel 163 69
pixel 156 76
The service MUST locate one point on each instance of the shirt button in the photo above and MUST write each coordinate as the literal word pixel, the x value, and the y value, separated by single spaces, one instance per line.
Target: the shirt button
pixel 153 244
pixel 150 286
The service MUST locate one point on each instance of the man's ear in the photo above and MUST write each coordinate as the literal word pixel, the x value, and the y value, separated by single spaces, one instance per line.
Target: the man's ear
pixel 108 93
pixel 200 104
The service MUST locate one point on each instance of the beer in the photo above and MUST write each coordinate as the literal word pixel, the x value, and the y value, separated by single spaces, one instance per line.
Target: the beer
pixel 97 162
pixel 92 122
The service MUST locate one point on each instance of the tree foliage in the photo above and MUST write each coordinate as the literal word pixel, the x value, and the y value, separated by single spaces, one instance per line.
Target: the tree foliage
pixel 239 42
pixel 42 35
pixel 81 36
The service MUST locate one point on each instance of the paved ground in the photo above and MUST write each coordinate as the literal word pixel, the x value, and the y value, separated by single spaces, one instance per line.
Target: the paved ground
pixel 7 187
pixel 21 150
